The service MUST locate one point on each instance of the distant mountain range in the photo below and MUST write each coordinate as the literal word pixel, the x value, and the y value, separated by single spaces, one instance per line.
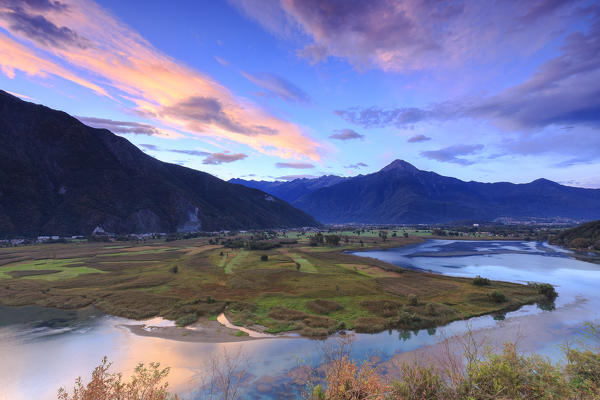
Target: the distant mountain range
pixel 292 190
pixel 401 193
pixel 59 176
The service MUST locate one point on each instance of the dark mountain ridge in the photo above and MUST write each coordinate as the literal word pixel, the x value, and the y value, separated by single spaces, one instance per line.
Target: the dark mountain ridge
pixel 402 194
pixel 59 176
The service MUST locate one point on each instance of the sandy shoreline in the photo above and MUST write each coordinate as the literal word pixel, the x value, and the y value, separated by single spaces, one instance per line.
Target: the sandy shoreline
pixel 203 331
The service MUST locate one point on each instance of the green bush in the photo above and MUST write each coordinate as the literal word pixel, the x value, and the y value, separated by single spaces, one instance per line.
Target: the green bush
pixel 419 382
pixel 497 297
pixel 413 300
pixel 511 375
pixel 186 319
pixel 479 281
pixel 583 370
pixel 547 290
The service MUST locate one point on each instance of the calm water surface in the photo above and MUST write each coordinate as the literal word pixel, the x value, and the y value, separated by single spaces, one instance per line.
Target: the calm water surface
pixel 41 349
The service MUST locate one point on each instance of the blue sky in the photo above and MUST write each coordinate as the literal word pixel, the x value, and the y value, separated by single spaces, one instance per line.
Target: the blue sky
pixel 272 89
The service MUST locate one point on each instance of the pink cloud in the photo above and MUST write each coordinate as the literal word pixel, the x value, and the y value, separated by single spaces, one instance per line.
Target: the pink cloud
pixel 116 59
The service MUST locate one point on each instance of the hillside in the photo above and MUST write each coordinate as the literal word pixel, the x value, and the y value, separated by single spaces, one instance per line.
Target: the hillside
pixel 59 176
pixel 401 193
pixel 582 236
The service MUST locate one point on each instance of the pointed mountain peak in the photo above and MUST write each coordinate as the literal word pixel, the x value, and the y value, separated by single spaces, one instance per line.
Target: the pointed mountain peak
pixel 544 181
pixel 400 165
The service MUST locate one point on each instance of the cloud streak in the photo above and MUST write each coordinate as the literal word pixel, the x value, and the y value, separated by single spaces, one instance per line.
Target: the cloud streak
pixel 116 59
pixel 346 134
pixel 293 177
pixel 16 57
pixel 450 154
pixel 279 87
pixel 220 158
pixel 356 166
pixel 294 165
pixel 128 127
pixel 196 153
pixel 418 139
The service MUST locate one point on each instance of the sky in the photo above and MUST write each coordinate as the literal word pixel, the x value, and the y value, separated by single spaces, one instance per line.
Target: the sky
pixel 277 89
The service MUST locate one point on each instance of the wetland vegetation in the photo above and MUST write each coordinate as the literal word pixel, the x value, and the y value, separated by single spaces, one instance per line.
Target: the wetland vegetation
pixel 275 282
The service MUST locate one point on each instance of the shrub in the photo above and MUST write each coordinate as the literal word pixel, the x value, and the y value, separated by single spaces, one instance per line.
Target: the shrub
pixel 583 370
pixel 430 309
pixel 413 300
pixel 314 332
pixel 479 281
pixel 515 376
pixel 497 297
pixel 332 240
pixel 323 306
pixel 146 383
pixel 419 382
pixel 186 319
pixel 384 308
pixel 580 243
pixel 369 324
pixel 264 257
pixel 547 290
pixel 174 269
pixel 262 245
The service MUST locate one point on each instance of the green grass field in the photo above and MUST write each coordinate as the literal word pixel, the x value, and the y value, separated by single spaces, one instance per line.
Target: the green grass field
pixel 49 270
pixel 305 265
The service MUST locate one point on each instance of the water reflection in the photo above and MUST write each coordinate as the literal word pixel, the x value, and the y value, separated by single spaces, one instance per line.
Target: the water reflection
pixel 43 349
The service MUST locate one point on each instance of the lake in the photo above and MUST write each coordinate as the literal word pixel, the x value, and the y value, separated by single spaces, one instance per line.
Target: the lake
pixel 43 349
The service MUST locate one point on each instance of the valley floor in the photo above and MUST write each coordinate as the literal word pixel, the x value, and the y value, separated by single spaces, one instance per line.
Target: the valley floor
pixel 289 287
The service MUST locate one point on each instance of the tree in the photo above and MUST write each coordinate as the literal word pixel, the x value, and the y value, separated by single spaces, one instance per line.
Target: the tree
pixel 580 243
pixel 317 239
pixel 227 372
pixel 333 240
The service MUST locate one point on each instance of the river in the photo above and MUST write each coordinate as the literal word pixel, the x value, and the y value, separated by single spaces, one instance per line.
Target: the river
pixel 43 349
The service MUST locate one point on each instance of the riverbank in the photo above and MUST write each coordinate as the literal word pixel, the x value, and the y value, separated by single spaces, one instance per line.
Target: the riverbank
pixel 204 330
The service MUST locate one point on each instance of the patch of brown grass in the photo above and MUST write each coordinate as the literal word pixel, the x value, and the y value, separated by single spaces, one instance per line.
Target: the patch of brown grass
pixel 320 306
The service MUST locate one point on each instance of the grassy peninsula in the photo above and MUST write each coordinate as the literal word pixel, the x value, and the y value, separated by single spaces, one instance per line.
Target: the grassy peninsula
pixel 272 282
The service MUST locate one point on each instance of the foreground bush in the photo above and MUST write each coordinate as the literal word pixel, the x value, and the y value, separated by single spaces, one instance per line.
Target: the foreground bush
pixel 147 383
pixel 475 375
